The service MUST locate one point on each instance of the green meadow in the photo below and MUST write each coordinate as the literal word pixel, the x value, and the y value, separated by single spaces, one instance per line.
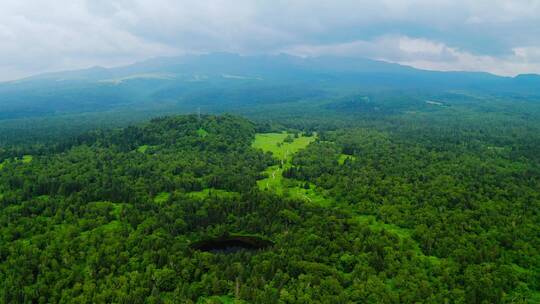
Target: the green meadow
pixel 283 150
pixel 275 143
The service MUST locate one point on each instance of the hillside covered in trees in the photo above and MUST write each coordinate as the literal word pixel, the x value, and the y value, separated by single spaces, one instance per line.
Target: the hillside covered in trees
pixel 382 211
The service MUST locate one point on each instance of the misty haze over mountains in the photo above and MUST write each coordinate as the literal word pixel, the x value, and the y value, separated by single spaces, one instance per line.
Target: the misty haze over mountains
pixel 224 81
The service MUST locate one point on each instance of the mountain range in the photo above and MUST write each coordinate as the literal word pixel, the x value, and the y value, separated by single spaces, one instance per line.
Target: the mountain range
pixel 224 81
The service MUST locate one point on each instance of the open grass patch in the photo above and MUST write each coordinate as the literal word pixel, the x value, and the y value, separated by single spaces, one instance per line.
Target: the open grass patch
pixel 146 148
pixel 268 142
pixel 343 157
pixel 202 132
pixel 25 160
pixel 309 195
pixel 142 148
pixel 273 181
pixel 276 144
pixel 283 146
pixel 162 197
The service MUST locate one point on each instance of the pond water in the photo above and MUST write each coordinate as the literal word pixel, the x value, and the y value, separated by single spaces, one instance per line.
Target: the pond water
pixel 231 244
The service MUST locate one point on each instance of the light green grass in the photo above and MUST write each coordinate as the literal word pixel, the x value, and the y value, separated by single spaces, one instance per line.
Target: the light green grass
pixel 309 195
pixel 202 132
pixel 273 142
pixel 268 142
pixel 343 157
pixel 142 148
pixel 273 181
pixel 145 148
pixel 25 160
pixel 162 197
pixel 284 151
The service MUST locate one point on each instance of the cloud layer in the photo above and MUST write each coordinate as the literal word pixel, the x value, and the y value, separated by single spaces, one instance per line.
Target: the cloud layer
pixel 501 37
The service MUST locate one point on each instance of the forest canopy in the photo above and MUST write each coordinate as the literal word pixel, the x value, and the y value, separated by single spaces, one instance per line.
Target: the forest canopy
pixel 400 211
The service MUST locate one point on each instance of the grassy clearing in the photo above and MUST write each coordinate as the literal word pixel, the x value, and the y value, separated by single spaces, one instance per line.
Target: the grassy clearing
pixel 145 148
pixel 162 197
pixel 281 186
pixel 284 151
pixel 142 148
pixel 310 195
pixel 25 160
pixel 202 132
pixel 274 143
pixel 343 157
pixel 273 181
pixel 268 142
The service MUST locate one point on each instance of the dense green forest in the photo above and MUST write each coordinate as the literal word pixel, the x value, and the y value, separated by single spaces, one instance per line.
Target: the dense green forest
pixel 419 204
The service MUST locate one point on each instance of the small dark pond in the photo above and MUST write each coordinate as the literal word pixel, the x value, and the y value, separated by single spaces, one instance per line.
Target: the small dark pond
pixel 231 244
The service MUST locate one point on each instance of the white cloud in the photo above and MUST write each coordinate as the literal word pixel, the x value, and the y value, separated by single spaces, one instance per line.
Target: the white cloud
pixel 38 35
pixel 420 46
pixel 523 60
pixel 427 54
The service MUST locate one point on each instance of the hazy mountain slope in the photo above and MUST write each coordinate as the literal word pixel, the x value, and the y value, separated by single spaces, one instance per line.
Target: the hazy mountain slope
pixel 222 81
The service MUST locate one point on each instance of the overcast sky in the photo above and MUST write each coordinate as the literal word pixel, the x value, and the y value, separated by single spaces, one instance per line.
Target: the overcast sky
pixel 501 37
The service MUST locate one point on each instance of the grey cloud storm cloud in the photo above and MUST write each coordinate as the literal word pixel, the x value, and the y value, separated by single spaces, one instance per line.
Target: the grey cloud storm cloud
pixel 501 37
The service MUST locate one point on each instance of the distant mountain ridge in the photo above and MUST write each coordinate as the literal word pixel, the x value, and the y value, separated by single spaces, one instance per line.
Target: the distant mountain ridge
pixel 220 79
pixel 228 62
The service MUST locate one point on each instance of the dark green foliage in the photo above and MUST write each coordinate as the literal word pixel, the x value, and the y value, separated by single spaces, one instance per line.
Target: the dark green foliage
pixel 464 198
